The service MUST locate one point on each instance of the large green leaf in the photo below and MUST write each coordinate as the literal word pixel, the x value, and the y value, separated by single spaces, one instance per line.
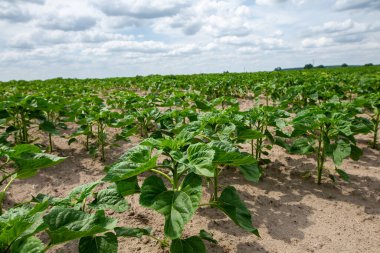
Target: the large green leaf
pixel 251 172
pixel 136 161
pixel 341 151
pixel 29 159
pixel 177 206
pixel 150 189
pixel 343 175
pixel 132 232
pixel 127 186
pixel 301 146
pixel 81 192
pixel 231 204
pixel 109 198
pixel 18 222
pixel 227 154
pixel 192 186
pixel 28 245
pixel 177 209
pixel 49 127
pixel 199 159
pixel 192 244
pixel 356 153
pixel 106 243
pixel 249 134
pixel 66 224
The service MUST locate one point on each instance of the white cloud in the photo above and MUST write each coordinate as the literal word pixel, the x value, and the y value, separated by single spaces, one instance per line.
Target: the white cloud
pixel 13 13
pixel 334 26
pixel 40 39
pixel 270 2
pixel 145 9
pixel 318 42
pixel 343 5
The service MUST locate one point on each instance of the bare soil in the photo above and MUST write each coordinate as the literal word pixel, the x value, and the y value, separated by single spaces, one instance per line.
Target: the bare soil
pixel 293 214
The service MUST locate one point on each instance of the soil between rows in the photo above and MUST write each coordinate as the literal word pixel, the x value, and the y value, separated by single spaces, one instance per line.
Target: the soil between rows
pixel 293 214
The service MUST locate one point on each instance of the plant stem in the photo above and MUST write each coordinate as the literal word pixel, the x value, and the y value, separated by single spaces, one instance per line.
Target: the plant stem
pixel 215 183
pixel 164 175
pixel 320 156
pixel 50 144
pixel 6 177
pixel 102 139
pixel 87 139
pixel 9 183
pixel 24 129
pixel 163 242
pixel 376 130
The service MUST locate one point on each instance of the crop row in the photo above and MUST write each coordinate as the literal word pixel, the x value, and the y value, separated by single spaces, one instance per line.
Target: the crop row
pixel 191 130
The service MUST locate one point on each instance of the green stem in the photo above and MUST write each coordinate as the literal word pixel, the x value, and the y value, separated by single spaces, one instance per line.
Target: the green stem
pixel 376 130
pixel 9 183
pixel 87 141
pixel 320 157
pixel 163 242
pixel 215 184
pixel 102 140
pixel 50 144
pixel 175 178
pixel 250 126
pixel 24 129
pixel 6 177
pixel 207 204
pixel 164 175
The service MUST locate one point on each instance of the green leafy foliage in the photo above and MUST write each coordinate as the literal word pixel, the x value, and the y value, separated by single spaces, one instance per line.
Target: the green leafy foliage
pixel 231 204
pixel 106 243
pixel 66 224
pixel 192 244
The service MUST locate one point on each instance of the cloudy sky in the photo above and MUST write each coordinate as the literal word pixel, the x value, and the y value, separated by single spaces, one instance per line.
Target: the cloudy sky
pixel 42 39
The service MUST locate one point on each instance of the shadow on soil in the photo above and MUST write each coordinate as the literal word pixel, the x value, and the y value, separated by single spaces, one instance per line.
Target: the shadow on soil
pixel 284 216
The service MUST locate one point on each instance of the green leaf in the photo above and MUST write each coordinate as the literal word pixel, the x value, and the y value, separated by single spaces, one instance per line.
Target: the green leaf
pixel 177 207
pixel 127 186
pixel 106 243
pixel 207 236
pixel 136 161
pixel 81 192
pixel 231 204
pixel 4 114
pixel 227 154
pixel 150 189
pixel 132 232
pixel 19 221
pixel 28 245
pixel 356 153
pixel 109 198
pixel 192 244
pixel 301 146
pixel 29 160
pixel 192 186
pixel 249 134
pixel 200 158
pixel 343 175
pixel 66 224
pixel 49 127
pixel 251 172
pixel 341 151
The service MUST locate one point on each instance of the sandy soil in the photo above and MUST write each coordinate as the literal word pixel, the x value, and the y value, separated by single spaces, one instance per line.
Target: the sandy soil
pixel 291 213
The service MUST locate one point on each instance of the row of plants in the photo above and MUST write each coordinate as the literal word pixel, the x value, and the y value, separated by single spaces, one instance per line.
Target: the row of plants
pixel 191 130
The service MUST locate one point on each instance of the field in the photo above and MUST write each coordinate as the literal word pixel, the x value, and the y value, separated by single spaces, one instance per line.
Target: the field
pixel 284 161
